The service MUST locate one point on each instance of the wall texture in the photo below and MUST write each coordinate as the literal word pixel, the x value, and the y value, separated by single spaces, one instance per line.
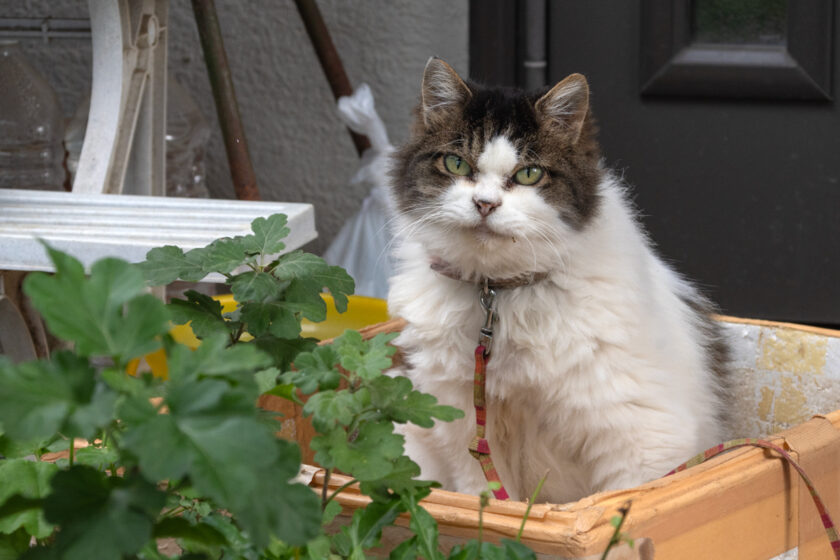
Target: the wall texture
pixel 300 149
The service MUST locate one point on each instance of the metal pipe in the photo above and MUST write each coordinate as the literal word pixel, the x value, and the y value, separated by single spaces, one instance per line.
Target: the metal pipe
pixel 241 170
pixel 319 35
pixel 534 63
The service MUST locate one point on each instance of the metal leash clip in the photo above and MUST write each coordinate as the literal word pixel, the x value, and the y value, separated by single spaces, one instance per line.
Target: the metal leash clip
pixel 487 298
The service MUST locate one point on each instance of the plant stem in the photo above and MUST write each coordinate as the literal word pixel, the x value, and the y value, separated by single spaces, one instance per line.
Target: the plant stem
pixel 72 451
pixel 531 503
pixel 109 434
pixel 616 536
pixel 173 512
pixel 483 500
pixel 339 490
pixel 239 332
pixel 324 500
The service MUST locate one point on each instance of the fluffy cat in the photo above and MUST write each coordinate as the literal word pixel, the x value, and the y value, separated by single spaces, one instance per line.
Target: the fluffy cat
pixel 605 368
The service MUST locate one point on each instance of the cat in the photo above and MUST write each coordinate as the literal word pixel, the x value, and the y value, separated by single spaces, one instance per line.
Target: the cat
pixel 605 369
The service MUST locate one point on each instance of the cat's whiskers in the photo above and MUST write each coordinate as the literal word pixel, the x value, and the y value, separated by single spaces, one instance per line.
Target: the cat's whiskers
pixel 544 232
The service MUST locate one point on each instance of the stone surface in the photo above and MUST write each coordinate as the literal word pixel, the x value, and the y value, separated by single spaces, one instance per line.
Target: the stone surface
pixel 782 376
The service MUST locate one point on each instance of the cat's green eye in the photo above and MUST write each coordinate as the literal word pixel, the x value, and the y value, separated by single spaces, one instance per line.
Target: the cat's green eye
pixel 456 165
pixel 528 175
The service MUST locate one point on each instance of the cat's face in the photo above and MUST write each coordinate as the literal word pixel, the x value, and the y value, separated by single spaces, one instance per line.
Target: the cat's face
pixel 497 181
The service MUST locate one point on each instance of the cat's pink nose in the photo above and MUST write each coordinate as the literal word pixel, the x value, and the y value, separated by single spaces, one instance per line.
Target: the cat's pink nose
pixel 484 207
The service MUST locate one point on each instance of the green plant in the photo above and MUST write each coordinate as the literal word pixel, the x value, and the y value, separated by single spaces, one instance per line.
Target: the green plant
pixel 617 521
pixel 192 458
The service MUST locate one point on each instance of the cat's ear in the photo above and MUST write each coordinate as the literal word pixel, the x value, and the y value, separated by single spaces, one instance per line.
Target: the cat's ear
pixel 443 93
pixel 565 105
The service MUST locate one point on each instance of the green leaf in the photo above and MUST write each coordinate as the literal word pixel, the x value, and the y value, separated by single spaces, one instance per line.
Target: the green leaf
pixel 305 298
pixel 365 529
pixel 268 233
pixel 136 409
pixel 86 419
pixel 169 263
pixel 330 407
pixel 367 359
pixel 256 286
pixel 331 511
pixel 224 255
pixel 319 548
pixel 400 403
pixel 214 359
pixel 284 350
pixel 339 283
pixel 424 527
pixel 209 429
pixel 35 399
pixel 239 545
pixel 298 264
pixel 31 480
pixel 309 274
pixel 292 512
pixel 40 398
pixel 16 448
pixel 99 458
pixel 276 318
pixel 202 312
pixel 14 545
pixel 180 528
pixel 161 448
pixel 401 480
pixel 470 550
pixel 101 517
pixel 266 379
pixel 107 314
pixel 370 454
pixel 407 550
pixel 286 391
pixel 314 370
pixel 508 550
pixel 514 550
pixel 120 381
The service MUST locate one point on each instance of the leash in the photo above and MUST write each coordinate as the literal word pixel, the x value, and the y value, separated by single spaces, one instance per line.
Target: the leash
pixel 828 524
pixel 480 447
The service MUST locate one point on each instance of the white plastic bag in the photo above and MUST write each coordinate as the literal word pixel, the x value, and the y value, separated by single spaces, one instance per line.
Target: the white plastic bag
pixel 362 246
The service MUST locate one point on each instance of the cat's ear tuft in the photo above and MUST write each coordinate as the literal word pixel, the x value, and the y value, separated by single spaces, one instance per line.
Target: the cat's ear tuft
pixel 565 105
pixel 443 93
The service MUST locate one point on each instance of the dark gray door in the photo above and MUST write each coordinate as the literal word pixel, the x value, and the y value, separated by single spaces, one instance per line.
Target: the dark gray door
pixel 735 166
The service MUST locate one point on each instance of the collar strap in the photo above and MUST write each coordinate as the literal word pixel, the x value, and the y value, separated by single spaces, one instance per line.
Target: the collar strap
pixel 518 281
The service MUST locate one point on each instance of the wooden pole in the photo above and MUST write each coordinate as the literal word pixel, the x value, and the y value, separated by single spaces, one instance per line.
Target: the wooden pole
pixel 241 169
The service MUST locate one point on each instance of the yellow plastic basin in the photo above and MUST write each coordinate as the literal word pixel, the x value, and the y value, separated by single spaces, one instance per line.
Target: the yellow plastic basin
pixel 361 312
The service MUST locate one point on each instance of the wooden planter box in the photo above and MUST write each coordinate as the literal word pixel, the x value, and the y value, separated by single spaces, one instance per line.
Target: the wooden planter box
pixel 747 504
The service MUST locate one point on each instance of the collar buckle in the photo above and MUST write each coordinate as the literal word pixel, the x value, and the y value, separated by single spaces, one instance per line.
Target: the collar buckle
pixel 487 298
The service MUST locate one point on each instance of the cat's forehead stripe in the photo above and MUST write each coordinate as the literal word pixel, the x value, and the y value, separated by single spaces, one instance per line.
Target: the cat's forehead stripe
pixel 498 157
